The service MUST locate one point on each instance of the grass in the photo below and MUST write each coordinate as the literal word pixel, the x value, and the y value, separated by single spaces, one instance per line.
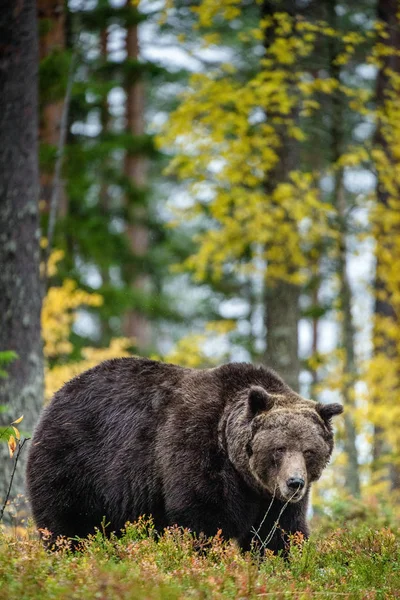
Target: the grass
pixel 357 562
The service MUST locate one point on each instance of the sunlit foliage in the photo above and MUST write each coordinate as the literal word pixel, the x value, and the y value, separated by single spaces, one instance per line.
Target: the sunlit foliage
pixel 58 317
pixel 357 562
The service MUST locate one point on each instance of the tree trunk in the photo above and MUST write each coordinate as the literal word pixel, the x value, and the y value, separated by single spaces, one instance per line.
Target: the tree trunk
pixel 282 318
pixel 387 12
pixel 136 325
pixel 104 193
pixel 51 14
pixel 282 298
pixel 352 477
pixel 105 125
pixel 20 296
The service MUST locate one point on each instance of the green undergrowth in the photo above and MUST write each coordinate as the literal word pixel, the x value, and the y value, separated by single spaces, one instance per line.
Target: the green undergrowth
pixel 355 562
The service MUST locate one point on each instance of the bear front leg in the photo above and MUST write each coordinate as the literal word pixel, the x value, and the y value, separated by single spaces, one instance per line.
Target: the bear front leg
pixel 204 520
pixel 275 533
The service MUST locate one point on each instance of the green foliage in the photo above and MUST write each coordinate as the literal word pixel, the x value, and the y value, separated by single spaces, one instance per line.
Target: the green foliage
pixel 53 74
pixel 356 563
pixel 6 357
pixel 103 199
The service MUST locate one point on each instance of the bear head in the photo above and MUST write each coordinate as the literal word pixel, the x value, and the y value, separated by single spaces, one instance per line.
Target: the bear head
pixel 280 443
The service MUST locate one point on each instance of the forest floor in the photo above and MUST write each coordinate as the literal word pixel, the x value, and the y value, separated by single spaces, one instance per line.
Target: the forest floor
pixel 357 561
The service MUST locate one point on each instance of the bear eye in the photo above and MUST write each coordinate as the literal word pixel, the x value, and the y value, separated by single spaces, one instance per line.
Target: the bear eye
pixel 249 449
pixel 279 451
pixel 309 453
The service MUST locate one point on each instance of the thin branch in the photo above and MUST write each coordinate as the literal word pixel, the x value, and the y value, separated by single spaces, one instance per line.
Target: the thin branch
pixel 276 524
pixel 256 532
pixel 20 446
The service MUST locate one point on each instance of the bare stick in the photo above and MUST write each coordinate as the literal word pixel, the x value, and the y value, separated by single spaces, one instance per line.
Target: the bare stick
pixel 20 446
pixel 268 509
pixel 253 529
pixel 275 526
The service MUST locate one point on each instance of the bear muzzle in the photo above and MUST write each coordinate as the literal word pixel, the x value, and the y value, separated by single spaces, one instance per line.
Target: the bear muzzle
pixel 292 477
pixel 293 489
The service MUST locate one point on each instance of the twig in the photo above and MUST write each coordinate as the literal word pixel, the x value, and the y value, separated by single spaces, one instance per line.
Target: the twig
pixel 57 169
pixel 275 526
pixel 253 529
pixel 20 446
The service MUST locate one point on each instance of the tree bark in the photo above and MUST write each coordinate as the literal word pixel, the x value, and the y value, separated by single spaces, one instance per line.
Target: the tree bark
pixel 135 323
pixel 20 290
pixel 282 319
pixel 281 297
pixel 52 14
pixel 352 476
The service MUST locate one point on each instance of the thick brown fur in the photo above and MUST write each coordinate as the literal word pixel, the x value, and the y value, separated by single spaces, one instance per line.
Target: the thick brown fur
pixel 204 449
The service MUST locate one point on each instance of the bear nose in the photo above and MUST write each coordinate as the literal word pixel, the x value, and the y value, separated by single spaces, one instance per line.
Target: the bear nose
pixel 295 483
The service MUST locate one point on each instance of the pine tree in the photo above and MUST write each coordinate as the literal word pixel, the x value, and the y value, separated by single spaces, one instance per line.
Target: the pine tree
pixel 136 325
pixel 107 205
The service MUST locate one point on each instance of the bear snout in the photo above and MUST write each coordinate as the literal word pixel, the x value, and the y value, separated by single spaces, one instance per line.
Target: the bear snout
pixel 292 477
pixel 291 491
pixel 295 483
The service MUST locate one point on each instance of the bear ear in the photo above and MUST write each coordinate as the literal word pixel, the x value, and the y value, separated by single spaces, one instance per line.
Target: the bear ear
pixel 259 400
pixel 327 411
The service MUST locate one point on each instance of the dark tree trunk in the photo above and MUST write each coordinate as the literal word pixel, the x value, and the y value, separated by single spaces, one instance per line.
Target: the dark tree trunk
pixel 387 12
pixel 135 324
pixel 52 14
pixel 20 291
pixel 282 320
pixel 352 474
pixel 282 298
pixel 104 193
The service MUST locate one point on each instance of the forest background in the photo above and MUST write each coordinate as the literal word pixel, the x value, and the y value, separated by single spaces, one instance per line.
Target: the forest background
pixel 200 182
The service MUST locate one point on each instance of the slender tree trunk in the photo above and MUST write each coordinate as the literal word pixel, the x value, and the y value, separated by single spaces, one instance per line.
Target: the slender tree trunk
pixel 104 194
pixel 105 124
pixel 352 480
pixel 282 298
pixel 282 318
pixel 20 291
pixel 387 12
pixel 136 325
pixel 51 14
pixel 348 339
pixel 315 324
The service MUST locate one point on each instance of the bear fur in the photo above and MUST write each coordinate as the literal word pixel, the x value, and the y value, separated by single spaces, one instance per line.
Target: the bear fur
pixel 204 449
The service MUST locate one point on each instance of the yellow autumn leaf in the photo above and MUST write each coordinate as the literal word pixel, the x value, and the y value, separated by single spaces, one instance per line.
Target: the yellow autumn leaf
pixel 12 445
pixel 17 433
pixel 17 420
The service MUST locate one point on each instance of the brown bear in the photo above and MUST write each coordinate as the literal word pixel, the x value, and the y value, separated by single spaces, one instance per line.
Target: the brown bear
pixel 231 448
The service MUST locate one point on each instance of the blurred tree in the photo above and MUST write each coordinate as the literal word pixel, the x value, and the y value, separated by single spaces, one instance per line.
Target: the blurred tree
pixel 20 297
pixel 386 362
pixel 108 207
pixel 54 60
pixel 136 325
pixel 345 298
pixel 243 146
pixel 282 310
